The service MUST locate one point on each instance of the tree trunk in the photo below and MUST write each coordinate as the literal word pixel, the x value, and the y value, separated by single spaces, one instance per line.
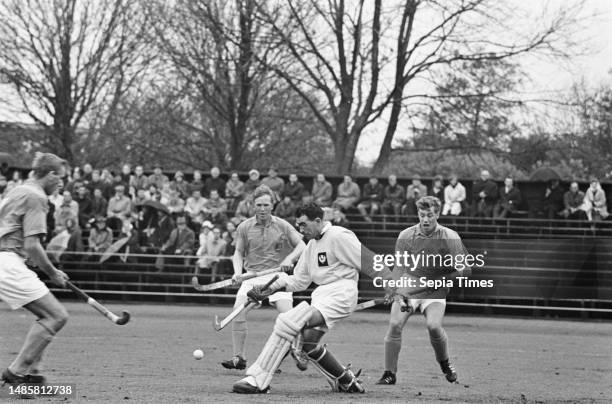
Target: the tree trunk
pixel 385 150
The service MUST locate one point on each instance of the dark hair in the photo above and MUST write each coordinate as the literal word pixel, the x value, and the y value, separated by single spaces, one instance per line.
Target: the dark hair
pixel 312 211
pixel 427 202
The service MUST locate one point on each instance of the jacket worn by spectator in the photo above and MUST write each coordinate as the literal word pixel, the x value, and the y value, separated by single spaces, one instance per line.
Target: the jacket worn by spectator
pixel 372 193
pixel 286 210
pixel 210 251
pixel 234 189
pixel 138 182
pixel 394 194
pixel 294 190
pixel 276 184
pixel 85 209
pixel 454 195
pixel 158 179
pixel 322 193
pixel 416 192
pixel 99 206
pixel 348 195
pixel 573 200
pixel 100 239
pixel 214 184
pixel 119 206
pixel 181 242
pixel 489 187
pixel 510 198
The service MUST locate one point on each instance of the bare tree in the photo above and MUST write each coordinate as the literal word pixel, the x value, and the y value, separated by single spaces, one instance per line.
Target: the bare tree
pixel 341 52
pixel 65 57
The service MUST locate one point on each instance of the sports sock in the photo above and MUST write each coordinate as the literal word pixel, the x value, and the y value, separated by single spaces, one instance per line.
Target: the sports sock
pixel 35 343
pixel 330 364
pixel 239 335
pixel 439 342
pixel 393 345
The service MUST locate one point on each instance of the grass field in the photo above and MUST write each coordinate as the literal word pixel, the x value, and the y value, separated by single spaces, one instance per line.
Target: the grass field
pixel 149 360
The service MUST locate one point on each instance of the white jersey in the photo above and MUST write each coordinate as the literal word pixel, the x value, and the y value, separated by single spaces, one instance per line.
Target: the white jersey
pixel 335 256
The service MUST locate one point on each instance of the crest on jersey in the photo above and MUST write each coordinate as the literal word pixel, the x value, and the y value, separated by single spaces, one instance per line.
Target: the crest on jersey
pixel 322 259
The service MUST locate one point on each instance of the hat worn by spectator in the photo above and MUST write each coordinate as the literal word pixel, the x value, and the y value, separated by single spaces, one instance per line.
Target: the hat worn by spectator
pixel 207 224
pixel 253 171
pixel 178 174
pixel 100 219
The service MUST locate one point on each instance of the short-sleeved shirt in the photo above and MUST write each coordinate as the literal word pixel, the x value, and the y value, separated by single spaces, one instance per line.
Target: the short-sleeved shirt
pixel 441 242
pixel 23 213
pixel 265 246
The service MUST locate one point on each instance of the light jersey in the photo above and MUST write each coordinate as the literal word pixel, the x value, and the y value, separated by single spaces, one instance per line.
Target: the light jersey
pixel 23 213
pixel 267 246
pixel 442 241
pixel 336 255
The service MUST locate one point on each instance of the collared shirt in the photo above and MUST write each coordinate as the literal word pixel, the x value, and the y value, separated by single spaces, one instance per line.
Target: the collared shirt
pixel 335 255
pixel 23 213
pixel 265 245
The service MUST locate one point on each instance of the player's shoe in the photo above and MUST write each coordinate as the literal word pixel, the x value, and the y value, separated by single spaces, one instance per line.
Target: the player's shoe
pixel 247 386
pixel 388 377
pixel 301 358
pixel 237 362
pixel 354 386
pixel 449 371
pixel 14 380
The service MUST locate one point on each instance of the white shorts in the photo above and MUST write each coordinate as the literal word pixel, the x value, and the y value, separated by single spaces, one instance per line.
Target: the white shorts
pixel 249 283
pixel 336 300
pixel 423 303
pixel 19 285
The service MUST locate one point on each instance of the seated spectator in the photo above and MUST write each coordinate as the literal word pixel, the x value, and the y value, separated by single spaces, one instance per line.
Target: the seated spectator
pixel 100 237
pixel 151 191
pixel 393 197
pixel 286 209
pixel 293 189
pixel 211 252
pixel 124 177
pixel 348 194
pixel 194 206
pixel 197 183
pixel 437 189
pixel 339 218
pixel 138 180
pixel 245 209
pixel 108 184
pixel 509 200
pixel 87 173
pixel 573 200
pixel 306 198
pixel 69 209
pixel 75 242
pixel 322 191
pixel 139 198
pixel 215 208
pixel 234 191
pixel 181 240
pixel 158 226
pixel 371 199
pixel 95 182
pixel 594 204
pixel 85 206
pixel 99 205
pixel 252 183
pixel 553 200
pixel 214 183
pixel 206 232
pixel 454 196
pixel 180 185
pixel 158 178
pixel 414 192
pixel 174 203
pixel 119 208
pixel 484 195
pixel 74 179
pixel 56 198
pixel 274 182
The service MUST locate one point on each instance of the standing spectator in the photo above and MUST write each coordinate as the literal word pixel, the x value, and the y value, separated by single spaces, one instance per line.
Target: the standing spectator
pixel 195 205
pixel 119 208
pixel 180 185
pixel 573 200
pixel 138 180
pixel 214 183
pixel 274 182
pixel 594 204
pixel 348 194
pixel 393 197
pixel 286 209
pixel 245 209
pixel 197 183
pixel 210 252
pixel 100 236
pixel 216 208
pixel 85 206
pixel 108 184
pixel 437 189
pixel 234 191
pixel 158 178
pixel 99 205
pixel 124 176
pixel 454 195
pixel 69 209
pixel 509 200
pixel 87 173
pixel 484 196
pixel 414 192
pixel 293 189
pixel 322 191
pixel 371 198
pixel 252 183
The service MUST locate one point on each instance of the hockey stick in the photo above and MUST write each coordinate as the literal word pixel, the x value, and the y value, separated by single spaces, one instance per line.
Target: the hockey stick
pixel 230 282
pixel 125 316
pixel 219 325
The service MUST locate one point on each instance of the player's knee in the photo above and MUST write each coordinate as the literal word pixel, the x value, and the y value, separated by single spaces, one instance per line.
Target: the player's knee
pixel 60 318
pixel 434 326
pixel 396 325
